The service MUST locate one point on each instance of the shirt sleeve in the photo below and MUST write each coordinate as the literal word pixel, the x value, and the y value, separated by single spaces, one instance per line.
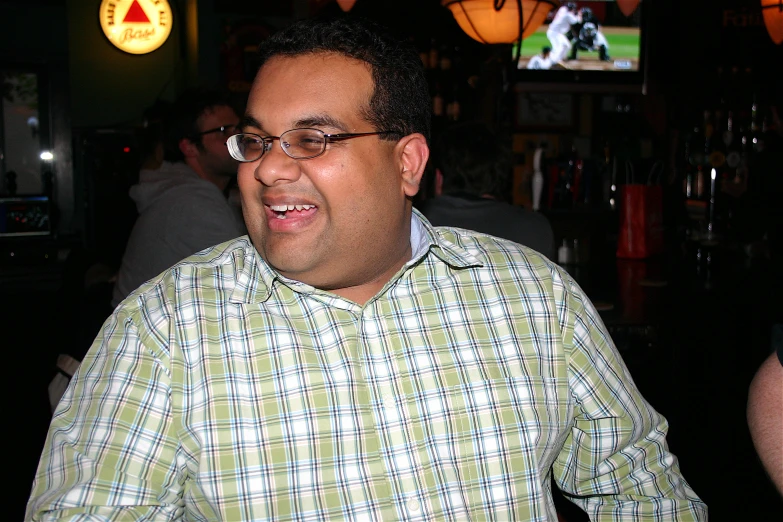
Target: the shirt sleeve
pixel 110 452
pixel 615 463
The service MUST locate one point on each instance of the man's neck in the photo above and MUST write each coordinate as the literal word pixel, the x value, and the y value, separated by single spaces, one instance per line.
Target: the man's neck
pixel 362 293
pixel 220 182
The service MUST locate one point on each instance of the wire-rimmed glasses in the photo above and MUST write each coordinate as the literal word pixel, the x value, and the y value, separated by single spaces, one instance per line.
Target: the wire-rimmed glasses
pixel 223 129
pixel 296 143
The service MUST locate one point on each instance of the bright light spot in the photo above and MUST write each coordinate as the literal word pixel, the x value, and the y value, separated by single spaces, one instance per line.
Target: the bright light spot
pixel 126 149
pixel 614 187
pixel 46 155
pixel 714 174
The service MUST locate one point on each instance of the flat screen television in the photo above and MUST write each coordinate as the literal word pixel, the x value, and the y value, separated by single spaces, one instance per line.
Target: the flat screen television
pixel 592 46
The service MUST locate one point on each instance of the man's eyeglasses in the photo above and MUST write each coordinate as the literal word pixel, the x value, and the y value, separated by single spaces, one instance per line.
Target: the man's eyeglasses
pixel 296 143
pixel 225 130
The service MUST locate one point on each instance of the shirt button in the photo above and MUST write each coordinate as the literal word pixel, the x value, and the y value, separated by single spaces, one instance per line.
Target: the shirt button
pixel 413 505
pixel 388 401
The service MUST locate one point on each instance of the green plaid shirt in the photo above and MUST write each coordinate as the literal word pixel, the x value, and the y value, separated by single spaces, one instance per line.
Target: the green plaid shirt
pixel 223 391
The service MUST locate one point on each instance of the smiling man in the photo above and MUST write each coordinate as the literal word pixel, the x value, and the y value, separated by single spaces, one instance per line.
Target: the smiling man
pixel 348 361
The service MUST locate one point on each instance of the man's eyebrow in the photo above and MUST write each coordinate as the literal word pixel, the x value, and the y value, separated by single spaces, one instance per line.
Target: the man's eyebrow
pixel 320 120
pixel 249 121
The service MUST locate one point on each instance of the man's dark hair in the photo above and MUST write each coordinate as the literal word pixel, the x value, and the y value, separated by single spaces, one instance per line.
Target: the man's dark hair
pixel 182 120
pixel 400 101
pixel 473 160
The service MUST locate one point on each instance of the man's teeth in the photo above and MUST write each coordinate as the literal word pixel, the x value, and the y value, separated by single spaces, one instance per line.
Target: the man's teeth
pixel 284 208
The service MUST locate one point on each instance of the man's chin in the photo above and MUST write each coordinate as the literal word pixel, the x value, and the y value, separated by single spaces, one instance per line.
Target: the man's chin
pixel 290 264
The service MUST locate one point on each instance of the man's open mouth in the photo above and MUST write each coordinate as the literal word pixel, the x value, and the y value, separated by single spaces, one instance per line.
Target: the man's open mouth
pixel 293 211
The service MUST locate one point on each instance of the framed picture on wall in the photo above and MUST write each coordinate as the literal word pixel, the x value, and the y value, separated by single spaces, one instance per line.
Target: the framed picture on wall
pixel 550 111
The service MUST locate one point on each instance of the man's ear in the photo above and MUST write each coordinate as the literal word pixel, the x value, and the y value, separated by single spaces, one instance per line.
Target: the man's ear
pixel 413 153
pixel 188 148
pixel 438 182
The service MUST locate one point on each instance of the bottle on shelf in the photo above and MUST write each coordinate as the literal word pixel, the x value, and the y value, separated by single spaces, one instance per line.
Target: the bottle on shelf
pixel 717 153
pixel 444 63
pixel 695 159
pixel 688 177
pixel 453 109
pixel 438 103
pixel 755 127
pixel 434 59
pixel 731 141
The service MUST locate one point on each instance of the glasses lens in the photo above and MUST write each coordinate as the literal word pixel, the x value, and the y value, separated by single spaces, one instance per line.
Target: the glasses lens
pixel 303 143
pixel 245 147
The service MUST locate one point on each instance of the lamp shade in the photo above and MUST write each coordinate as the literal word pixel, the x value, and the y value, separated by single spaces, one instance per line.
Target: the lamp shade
pixel 480 20
pixel 773 19
pixel 346 5
pixel 627 6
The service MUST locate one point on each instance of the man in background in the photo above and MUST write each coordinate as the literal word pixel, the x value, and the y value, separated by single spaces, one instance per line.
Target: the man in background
pixel 182 202
pixel 473 175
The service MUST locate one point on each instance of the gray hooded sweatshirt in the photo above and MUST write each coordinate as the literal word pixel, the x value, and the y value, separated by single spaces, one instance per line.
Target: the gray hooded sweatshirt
pixel 179 214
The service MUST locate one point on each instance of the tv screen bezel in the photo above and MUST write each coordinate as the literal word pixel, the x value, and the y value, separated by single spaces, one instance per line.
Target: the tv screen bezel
pixel 634 82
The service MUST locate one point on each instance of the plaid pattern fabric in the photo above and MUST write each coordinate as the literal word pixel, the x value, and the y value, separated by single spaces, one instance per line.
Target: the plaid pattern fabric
pixel 222 391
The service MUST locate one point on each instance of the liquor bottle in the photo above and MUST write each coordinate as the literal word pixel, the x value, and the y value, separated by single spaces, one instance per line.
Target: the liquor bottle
pixel 434 60
pixel 700 182
pixel 445 58
pixel 708 129
pixel 717 155
pixel 607 173
pixel 696 161
pixel 755 127
pixel 731 142
pixel 538 176
pixel 424 56
pixel 688 177
pixel 576 165
pixel 744 150
pixel 437 102
pixel 453 107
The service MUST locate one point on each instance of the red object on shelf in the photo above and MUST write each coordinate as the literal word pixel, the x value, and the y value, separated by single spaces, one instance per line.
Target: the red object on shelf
pixel 641 221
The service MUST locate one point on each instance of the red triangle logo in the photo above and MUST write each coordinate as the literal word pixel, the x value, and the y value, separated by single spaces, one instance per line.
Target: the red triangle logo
pixel 136 15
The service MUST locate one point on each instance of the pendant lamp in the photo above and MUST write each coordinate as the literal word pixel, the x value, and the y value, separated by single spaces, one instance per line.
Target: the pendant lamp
pixel 773 19
pixel 497 21
pixel 346 5
pixel 627 6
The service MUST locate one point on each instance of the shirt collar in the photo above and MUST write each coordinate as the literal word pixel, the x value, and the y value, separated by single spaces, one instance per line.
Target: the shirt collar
pixel 255 278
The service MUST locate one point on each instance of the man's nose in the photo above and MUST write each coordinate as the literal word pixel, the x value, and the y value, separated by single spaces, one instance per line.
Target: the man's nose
pixel 276 167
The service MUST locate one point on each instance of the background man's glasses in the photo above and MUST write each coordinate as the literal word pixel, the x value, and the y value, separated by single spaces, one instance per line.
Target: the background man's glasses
pixel 296 143
pixel 225 130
